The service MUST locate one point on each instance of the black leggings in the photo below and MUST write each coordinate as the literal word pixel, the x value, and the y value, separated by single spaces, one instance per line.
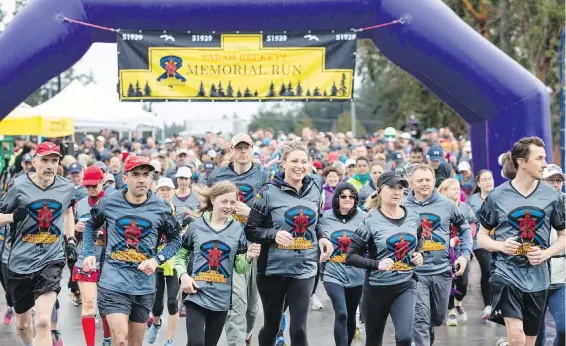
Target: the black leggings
pixel 484 259
pixel 204 326
pixel 345 302
pixel 273 290
pixel 461 284
pixel 4 282
pixel 173 286
pixel 381 301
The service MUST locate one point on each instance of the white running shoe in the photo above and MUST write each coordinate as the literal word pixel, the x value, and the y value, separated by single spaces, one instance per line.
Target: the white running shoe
pixel 452 320
pixel 501 342
pixel 462 315
pixel 486 312
pixel 316 304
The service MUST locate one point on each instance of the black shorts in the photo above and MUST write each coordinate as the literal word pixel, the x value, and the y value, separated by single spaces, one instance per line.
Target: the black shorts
pixel 509 301
pixel 135 306
pixel 26 288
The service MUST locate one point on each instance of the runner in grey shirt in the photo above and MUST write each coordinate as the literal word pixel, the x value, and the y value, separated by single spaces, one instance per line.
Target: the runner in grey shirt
pixel 40 206
pixel 521 213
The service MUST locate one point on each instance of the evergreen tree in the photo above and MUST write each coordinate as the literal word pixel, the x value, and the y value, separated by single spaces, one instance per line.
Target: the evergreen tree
pixel 131 91
pixel 271 90
pixel 283 90
pixel 213 92
pixel 220 90
pixel 201 92
pixel 290 91
pixel 324 93
pixel 230 90
pixel 147 90
pixel 316 92
pixel 343 89
pixel 308 92
pixel 139 92
pixel 256 94
pixel 247 92
pixel 334 90
pixel 299 90
pixel 239 94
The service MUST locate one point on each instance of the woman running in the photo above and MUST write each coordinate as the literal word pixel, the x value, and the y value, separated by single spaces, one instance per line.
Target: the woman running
pixel 450 188
pixel 284 220
pixel 87 281
pixel 343 283
pixel 213 246
pixel 376 169
pixel 391 235
pixel 484 185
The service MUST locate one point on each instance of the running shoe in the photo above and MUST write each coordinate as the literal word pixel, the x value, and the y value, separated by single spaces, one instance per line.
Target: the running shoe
pixel 57 338
pixel 280 341
pixel 182 311
pixel 462 315
pixel 153 333
pixel 8 316
pixel 249 341
pixel 77 300
pixel 501 342
pixel 169 343
pixel 452 320
pixel 107 342
pixel 486 312
pixel 316 304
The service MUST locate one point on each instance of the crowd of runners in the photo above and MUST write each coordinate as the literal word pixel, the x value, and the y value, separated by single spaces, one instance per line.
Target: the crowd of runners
pixel 213 229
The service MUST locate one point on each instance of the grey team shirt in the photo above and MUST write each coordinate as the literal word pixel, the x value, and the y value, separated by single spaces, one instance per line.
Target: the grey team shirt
pixel 340 232
pixel 39 238
pixel 475 201
pixel 212 258
pixel 132 237
pixel 528 220
pixel 82 214
pixel 385 239
pixel 189 202
pixel 437 215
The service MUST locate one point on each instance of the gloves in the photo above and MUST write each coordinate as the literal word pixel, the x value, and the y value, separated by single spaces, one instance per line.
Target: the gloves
pixel 20 214
pixel 71 251
pixel 187 221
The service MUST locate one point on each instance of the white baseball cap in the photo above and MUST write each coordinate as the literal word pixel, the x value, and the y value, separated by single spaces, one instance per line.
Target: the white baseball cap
pixel 165 182
pixel 350 162
pixel 184 172
pixel 551 170
pixel 464 166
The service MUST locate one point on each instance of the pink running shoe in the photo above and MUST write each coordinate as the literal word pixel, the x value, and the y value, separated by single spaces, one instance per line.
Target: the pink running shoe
pixel 8 316
pixel 57 338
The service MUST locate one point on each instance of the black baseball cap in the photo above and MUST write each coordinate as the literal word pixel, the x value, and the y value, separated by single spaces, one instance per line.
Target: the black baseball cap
pixel 391 179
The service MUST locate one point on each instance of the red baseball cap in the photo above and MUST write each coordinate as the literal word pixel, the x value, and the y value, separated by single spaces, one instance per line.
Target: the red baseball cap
pixel 92 176
pixel 333 157
pixel 47 148
pixel 137 161
pixel 317 164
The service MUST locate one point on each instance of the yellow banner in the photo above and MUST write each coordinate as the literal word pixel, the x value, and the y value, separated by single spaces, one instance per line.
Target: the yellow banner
pixel 232 67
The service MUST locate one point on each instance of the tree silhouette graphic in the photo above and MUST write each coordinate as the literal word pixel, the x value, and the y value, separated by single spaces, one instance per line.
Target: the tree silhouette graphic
pixel 256 94
pixel 213 91
pixel 201 92
pixel 316 92
pixel 334 90
pixel 139 92
pixel 324 93
pixel 239 94
pixel 220 91
pixel 308 92
pixel 290 91
pixel 229 90
pixel 343 90
pixel 131 91
pixel 299 89
pixel 271 92
pixel 283 90
pixel 147 90
pixel 247 92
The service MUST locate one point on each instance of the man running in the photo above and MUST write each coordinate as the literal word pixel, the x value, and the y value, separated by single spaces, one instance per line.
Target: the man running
pixel 37 256
pixel 248 177
pixel 136 219
pixel 521 212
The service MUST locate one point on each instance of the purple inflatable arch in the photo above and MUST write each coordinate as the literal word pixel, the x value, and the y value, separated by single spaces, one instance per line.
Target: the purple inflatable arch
pixel 501 100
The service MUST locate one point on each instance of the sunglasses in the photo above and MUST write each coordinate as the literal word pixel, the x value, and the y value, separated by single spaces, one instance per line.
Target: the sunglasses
pixel 90 186
pixel 559 181
pixel 347 197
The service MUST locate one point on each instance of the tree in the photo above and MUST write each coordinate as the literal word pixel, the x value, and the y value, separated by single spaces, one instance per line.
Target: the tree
pixel 299 89
pixel 239 94
pixel 247 92
pixel 271 92
pixel 138 92
pixel 283 90
pixel 316 92
pixel 308 92
pixel 273 116
pixel 290 91
pixel 334 90
pixel 229 90
pixel 131 91
pixel 343 90
pixel 325 93
pixel 344 124
pixel 147 90
pixel 213 91
pixel 256 94
pixel 220 91
pixel 302 122
pixel 201 92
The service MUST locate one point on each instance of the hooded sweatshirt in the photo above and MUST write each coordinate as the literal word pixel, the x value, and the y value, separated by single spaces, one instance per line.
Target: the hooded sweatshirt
pixel 437 214
pixel 279 207
pixel 339 229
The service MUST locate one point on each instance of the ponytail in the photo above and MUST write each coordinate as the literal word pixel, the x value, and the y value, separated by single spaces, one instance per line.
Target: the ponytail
pixel 374 201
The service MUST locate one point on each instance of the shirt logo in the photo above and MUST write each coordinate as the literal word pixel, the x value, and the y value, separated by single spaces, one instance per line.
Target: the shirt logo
pixel 526 221
pixel 214 252
pixel 401 246
pixel 300 218
pixel 341 241
pixel 429 224
pixel 45 212
pixel 132 229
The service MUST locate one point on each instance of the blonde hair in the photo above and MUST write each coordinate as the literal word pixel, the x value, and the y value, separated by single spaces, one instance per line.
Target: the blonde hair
pixel 422 167
pixel 206 194
pixel 373 202
pixel 446 184
pixel 292 145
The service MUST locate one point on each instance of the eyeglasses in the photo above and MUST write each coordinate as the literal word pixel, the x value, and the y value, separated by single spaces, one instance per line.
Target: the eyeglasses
pixel 91 186
pixel 347 197
pixel 558 181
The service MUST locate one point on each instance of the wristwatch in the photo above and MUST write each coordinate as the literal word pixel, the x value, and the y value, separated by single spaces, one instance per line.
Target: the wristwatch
pixel 160 259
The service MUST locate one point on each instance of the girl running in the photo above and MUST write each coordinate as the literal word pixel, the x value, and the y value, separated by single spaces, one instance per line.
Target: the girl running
pixel 376 169
pixel 392 236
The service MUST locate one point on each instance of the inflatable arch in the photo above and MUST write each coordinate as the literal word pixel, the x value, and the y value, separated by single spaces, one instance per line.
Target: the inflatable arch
pixel 499 99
